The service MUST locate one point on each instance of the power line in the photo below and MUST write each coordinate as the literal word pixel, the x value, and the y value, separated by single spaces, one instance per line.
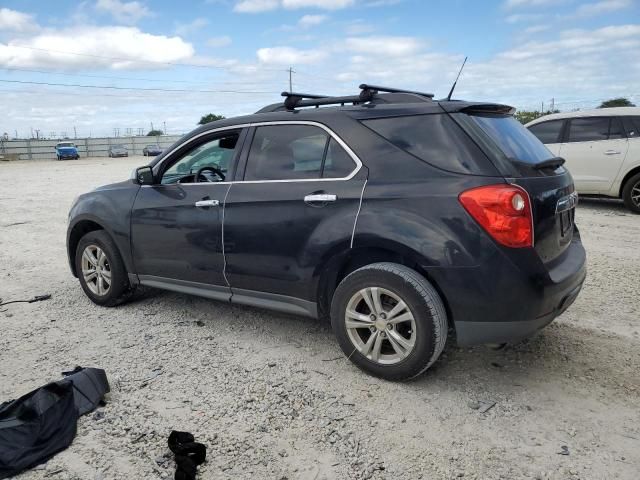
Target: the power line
pixel 112 77
pixel 112 87
pixel 133 60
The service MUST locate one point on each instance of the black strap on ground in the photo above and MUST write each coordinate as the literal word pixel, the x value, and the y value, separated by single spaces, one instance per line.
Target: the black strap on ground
pixel 188 454
pixel 37 298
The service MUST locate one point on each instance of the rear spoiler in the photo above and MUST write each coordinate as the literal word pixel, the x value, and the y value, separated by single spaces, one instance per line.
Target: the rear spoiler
pixel 477 108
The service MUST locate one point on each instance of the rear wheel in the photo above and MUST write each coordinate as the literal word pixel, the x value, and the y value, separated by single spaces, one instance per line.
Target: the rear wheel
pixel 631 193
pixel 389 321
pixel 101 271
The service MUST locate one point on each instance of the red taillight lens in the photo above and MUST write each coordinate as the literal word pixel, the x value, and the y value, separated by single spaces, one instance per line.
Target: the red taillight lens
pixel 504 211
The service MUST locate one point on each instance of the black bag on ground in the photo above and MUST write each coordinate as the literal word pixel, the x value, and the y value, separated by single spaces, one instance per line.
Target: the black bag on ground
pixel 41 423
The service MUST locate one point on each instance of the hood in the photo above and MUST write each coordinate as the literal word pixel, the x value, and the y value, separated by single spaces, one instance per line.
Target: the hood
pixel 67 149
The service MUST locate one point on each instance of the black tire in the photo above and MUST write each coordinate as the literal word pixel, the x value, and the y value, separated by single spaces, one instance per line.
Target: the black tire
pixel 632 189
pixel 120 289
pixel 424 305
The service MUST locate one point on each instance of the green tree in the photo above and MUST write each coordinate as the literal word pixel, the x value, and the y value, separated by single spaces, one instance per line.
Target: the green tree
pixel 154 133
pixel 616 102
pixel 211 117
pixel 526 116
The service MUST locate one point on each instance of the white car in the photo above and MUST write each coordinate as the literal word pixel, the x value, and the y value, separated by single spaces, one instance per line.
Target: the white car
pixel 601 148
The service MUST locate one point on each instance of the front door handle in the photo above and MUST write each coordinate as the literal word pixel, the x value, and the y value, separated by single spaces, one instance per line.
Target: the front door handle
pixel 612 152
pixel 207 203
pixel 320 197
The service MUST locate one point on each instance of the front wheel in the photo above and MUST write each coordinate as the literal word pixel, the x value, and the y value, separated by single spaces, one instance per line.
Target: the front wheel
pixel 389 320
pixel 101 271
pixel 631 193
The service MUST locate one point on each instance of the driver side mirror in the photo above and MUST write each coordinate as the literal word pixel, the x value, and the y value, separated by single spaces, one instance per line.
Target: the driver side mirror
pixel 144 175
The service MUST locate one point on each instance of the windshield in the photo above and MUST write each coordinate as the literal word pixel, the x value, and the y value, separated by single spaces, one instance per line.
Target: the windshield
pixel 153 146
pixel 65 145
pixel 515 141
pixel 118 146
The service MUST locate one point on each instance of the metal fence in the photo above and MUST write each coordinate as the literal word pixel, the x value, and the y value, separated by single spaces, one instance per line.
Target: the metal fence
pixel 33 149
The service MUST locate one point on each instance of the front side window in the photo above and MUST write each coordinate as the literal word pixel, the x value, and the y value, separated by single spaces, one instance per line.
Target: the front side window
pixel 589 129
pixel 295 152
pixel 547 132
pixel 212 158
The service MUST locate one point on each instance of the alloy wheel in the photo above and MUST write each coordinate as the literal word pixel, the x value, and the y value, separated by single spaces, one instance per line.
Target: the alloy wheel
pixel 96 270
pixel 380 325
pixel 635 194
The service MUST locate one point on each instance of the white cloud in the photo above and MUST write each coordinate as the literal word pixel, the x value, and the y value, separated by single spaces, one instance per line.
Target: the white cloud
pixel 536 29
pixel 184 29
pixel 128 45
pixel 16 21
pixel 307 21
pixel 384 45
pixel 257 6
pixel 290 56
pixel 528 3
pixel 599 8
pixel 222 41
pixel 124 12
pixel 524 17
pixel 323 4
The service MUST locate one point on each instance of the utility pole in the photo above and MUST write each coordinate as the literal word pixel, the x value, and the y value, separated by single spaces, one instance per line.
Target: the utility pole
pixel 164 127
pixel 542 107
pixel 291 72
pixel 75 134
pixel 553 104
pixel 151 125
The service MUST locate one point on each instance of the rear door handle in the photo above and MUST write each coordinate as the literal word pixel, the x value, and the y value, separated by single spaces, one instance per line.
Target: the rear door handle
pixel 207 203
pixel 612 152
pixel 320 197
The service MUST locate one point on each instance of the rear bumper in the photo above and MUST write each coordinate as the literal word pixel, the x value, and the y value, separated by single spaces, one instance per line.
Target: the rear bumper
pixel 509 299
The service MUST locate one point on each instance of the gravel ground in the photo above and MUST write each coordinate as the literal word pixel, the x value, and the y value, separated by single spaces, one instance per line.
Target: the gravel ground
pixel 272 395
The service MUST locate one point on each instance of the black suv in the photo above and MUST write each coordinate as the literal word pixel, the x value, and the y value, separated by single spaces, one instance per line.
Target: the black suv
pixel 396 215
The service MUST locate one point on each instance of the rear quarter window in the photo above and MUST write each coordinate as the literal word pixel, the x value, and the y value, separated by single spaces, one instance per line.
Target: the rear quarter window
pixel 435 139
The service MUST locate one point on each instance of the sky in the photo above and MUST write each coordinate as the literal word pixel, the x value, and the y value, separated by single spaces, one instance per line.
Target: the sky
pixel 100 65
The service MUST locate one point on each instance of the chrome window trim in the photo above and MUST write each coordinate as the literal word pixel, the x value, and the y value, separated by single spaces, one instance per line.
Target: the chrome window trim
pixel 331 133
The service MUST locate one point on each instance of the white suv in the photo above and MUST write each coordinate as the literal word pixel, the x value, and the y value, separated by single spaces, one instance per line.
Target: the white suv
pixel 601 148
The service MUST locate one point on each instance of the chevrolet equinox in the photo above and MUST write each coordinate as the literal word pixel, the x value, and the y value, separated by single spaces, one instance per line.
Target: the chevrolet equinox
pixel 395 215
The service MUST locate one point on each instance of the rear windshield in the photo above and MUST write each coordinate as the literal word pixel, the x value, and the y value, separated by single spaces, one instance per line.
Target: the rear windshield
pixel 516 142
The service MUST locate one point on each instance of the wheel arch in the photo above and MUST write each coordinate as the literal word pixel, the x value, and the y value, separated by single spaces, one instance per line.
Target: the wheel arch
pixel 341 266
pixel 628 175
pixel 76 232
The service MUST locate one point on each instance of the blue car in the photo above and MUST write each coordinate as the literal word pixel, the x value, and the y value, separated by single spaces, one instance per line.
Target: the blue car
pixel 66 150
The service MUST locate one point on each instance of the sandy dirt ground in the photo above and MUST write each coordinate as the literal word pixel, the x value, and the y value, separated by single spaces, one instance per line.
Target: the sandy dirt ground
pixel 272 395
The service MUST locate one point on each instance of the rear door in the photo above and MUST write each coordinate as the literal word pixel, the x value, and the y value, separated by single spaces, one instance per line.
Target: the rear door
pixel 294 205
pixel 595 149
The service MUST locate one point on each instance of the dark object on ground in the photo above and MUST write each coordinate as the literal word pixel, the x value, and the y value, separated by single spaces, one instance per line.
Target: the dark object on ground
pixel 564 450
pixel 188 454
pixel 41 423
pixel 37 298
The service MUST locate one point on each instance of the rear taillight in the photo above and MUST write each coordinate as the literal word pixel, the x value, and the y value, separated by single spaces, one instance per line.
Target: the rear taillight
pixel 504 211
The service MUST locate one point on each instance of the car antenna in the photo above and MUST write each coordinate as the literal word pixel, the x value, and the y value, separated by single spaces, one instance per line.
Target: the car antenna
pixel 454 83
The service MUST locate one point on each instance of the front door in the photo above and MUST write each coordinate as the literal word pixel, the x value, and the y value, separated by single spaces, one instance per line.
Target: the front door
pixel 176 225
pixel 594 150
pixel 296 204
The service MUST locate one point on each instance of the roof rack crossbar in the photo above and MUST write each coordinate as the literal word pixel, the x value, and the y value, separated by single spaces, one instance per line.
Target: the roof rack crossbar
pixel 294 100
pixel 376 88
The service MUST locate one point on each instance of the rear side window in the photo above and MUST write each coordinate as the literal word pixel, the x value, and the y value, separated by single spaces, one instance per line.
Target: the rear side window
pixel 435 139
pixel 593 129
pixel 516 142
pixel 548 132
pixel 631 126
pixel 296 152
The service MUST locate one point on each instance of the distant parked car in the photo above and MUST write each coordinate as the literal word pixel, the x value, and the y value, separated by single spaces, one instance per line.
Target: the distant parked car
pixel 601 147
pixel 151 150
pixel 66 150
pixel 118 151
